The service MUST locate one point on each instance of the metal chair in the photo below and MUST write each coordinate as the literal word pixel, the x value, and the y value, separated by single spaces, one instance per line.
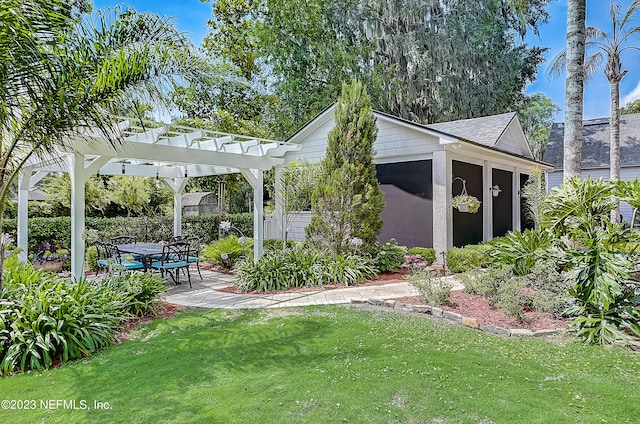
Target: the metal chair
pixel 109 256
pixel 174 258
pixel 125 239
pixel 194 252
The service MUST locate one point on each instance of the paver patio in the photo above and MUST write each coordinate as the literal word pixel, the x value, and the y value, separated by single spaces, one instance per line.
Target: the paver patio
pixel 206 294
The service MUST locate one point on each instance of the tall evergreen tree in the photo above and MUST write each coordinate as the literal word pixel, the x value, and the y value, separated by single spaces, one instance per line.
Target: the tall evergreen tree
pixel 347 203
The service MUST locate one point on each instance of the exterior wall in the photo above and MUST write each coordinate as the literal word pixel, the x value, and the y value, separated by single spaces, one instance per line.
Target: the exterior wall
pixel 554 179
pixel 509 143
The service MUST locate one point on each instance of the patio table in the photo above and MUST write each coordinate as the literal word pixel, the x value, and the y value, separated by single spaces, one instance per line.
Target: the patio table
pixel 145 250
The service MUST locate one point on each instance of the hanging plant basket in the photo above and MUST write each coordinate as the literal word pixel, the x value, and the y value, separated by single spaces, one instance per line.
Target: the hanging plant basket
pixel 464 202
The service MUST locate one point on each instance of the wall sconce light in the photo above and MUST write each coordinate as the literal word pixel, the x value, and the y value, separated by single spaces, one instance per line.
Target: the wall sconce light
pixel 123 170
pixel 186 174
pixel 157 174
pixel 495 190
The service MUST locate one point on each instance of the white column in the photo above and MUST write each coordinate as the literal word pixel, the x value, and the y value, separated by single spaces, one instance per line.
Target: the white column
pixel 78 179
pixel 487 201
pixel 255 178
pixel 177 213
pixel 177 186
pixel 442 214
pixel 24 180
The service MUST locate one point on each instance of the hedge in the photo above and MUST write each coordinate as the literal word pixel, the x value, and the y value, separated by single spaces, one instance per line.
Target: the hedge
pixel 58 230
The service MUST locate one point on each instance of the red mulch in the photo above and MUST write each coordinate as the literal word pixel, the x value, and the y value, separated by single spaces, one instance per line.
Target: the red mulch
pixel 475 306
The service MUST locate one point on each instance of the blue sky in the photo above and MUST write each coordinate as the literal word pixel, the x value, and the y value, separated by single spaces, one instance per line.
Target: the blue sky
pixel 190 16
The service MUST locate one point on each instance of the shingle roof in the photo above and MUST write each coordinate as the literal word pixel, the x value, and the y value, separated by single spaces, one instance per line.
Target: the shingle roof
pixel 485 130
pixel 595 144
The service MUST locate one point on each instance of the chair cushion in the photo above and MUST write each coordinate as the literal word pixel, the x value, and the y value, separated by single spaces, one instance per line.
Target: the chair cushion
pixel 133 265
pixel 169 265
pixel 192 259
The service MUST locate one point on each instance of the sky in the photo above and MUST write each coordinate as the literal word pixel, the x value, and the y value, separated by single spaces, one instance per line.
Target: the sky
pixel 191 15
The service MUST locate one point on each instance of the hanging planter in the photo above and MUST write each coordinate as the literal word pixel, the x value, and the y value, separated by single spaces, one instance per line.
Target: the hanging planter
pixel 464 202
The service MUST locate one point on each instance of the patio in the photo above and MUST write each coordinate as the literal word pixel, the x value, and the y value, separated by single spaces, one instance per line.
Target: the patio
pixel 206 294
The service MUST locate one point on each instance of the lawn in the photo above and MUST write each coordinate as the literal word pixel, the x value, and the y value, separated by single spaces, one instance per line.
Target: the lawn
pixel 329 365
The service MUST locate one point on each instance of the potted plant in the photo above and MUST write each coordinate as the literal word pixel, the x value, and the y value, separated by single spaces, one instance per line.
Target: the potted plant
pixel 50 257
pixel 466 203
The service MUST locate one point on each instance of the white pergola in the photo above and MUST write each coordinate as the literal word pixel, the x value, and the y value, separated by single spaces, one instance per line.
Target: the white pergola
pixel 169 152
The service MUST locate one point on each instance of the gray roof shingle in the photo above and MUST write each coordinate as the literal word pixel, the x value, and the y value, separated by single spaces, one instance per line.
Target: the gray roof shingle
pixel 595 144
pixel 485 130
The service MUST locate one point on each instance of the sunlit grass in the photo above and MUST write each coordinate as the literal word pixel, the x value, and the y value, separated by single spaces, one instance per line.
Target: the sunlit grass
pixel 333 364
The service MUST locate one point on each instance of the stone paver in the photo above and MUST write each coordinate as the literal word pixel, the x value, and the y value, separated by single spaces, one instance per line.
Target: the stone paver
pixel 206 294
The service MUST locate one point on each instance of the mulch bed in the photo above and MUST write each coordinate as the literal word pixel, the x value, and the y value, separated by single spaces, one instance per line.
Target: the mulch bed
pixel 478 307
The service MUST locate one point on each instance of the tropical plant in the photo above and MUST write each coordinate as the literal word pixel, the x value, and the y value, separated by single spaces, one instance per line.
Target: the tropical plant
pixel 61 75
pixel 629 191
pixel 597 255
pixel 522 250
pixel 347 202
pixel 227 251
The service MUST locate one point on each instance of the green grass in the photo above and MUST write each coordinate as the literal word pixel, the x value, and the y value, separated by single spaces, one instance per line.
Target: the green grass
pixel 331 365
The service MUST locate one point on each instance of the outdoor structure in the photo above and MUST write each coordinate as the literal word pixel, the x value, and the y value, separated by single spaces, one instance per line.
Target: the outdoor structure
pixel 172 153
pixel 195 204
pixel 595 152
pixel 421 168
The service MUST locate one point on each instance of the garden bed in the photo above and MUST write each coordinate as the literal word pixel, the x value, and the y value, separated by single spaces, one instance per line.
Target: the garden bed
pixel 478 307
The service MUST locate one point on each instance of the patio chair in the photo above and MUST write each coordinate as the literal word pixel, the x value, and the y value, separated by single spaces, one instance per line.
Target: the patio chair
pixel 109 256
pixel 176 239
pixel 194 252
pixel 125 239
pixel 174 258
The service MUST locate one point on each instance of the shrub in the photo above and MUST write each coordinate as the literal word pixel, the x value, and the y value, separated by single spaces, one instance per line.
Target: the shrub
pixel 228 251
pixel 434 290
pixel 512 298
pixel 388 256
pixel 485 282
pixel 91 258
pixel 279 270
pixel 427 253
pixel 468 257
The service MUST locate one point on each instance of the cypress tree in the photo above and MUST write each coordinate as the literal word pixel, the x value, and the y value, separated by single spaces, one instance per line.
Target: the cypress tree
pixel 347 203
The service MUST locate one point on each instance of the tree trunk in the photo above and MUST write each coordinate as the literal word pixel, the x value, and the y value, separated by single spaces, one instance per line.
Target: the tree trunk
pixel 574 96
pixel 614 144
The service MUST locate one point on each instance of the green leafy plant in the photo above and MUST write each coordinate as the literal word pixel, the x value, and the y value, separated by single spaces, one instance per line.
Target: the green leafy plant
pixel 522 250
pixel 466 203
pixel 228 251
pixel 433 289
pixel 141 291
pixel 280 270
pixel 388 256
pixel 91 258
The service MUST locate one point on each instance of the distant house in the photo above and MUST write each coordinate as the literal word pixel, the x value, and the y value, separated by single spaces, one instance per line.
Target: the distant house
pixel 421 167
pixel 595 152
pixel 195 204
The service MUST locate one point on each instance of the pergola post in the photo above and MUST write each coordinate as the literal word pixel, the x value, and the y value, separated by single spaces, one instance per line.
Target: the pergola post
pixel 255 177
pixel 24 181
pixel 177 186
pixel 78 179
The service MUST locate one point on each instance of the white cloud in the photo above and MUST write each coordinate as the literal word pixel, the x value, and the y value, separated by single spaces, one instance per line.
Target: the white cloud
pixel 633 95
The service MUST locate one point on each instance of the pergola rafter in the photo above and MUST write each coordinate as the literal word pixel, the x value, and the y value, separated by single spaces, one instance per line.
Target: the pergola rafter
pixel 173 153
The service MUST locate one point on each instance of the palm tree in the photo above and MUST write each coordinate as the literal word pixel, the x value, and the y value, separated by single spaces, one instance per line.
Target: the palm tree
pixel 610 46
pixel 574 87
pixel 59 75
